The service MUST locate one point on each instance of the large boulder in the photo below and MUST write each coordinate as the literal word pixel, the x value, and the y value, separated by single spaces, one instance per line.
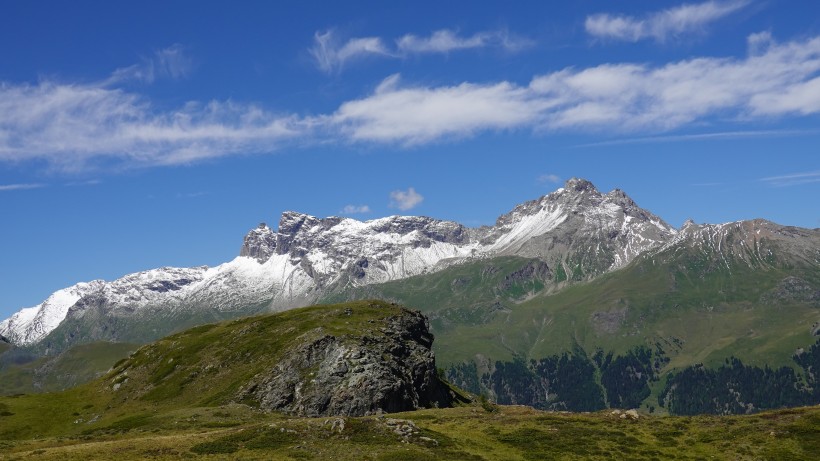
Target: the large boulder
pixel 391 369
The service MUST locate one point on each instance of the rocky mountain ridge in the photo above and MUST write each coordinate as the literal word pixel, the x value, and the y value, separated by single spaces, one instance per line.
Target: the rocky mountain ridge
pixel 576 230
pixel 754 242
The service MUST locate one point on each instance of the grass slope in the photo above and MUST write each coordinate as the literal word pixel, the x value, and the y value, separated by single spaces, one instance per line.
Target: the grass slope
pixel 174 400
pixel 465 433
pixel 203 366
pixel 698 313
pixel 77 365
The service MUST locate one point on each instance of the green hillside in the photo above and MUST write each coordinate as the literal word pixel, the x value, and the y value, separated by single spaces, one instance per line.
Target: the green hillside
pixel 682 307
pixel 457 434
pixel 487 307
pixel 221 364
pixel 181 398
pixel 26 373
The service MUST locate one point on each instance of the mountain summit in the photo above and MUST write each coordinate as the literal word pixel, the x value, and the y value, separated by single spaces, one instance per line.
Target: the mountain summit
pixel 575 230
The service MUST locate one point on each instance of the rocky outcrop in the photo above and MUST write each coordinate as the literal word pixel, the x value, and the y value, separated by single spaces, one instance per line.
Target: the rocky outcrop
pixel 389 370
pixel 793 289
pixel 259 244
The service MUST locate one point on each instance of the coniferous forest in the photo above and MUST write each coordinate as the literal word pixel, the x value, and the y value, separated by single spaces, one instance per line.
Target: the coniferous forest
pixel 576 382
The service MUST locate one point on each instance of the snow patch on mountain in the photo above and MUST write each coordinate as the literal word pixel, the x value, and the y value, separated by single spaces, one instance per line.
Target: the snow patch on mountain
pixel 307 256
pixel 33 323
pixel 527 227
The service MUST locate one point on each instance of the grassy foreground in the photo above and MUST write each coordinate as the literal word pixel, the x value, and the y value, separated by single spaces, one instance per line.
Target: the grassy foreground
pixel 176 399
pixel 465 433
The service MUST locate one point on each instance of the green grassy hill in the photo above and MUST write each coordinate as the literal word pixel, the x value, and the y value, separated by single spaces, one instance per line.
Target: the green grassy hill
pixel 177 398
pixel 738 294
pixel 221 364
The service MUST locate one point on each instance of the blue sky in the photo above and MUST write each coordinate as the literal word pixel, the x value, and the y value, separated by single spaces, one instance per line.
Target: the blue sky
pixel 152 134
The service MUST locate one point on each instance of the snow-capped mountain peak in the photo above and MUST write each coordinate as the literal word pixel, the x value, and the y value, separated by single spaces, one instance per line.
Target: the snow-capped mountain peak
pixel 31 324
pixel 306 257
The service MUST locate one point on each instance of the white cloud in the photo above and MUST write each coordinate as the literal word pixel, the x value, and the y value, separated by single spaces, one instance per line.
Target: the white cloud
pixel 74 125
pixel 445 40
pixel 794 179
pixel 758 43
pixel 781 81
pixel 662 25
pixel 77 127
pixel 413 115
pixel 405 199
pixel 702 137
pixel 331 55
pixel 355 209
pixel 802 98
pixel 172 62
pixel 89 182
pixel 7 187
pixel 549 178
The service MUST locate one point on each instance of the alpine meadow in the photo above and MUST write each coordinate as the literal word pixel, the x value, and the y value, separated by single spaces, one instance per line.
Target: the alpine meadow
pixel 410 231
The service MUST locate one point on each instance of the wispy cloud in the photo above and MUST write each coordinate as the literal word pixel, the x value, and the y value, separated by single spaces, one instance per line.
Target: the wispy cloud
pixel 405 199
pixel 624 98
pixel 414 115
pixel 549 179
pixel 8 187
pixel 187 195
pixel 794 179
pixel 79 127
pixel 90 182
pixel 331 54
pixel 662 25
pixel 701 137
pixel 446 40
pixel 73 125
pixel 172 62
pixel 355 209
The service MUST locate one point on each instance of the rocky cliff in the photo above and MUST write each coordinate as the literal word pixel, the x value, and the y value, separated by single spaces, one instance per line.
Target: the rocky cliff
pixel 349 359
pixel 389 369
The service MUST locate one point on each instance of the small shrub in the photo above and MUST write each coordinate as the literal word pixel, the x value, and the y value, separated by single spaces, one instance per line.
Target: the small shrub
pixel 488 406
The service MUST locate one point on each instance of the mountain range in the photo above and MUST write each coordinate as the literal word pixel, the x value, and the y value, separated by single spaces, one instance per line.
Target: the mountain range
pixel 574 230
pixel 577 300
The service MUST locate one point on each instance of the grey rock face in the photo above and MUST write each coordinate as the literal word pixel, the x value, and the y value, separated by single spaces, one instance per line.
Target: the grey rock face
pixel 259 244
pixel 591 233
pixel 577 228
pixel 756 243
pixel 793 289
pixel 391 371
